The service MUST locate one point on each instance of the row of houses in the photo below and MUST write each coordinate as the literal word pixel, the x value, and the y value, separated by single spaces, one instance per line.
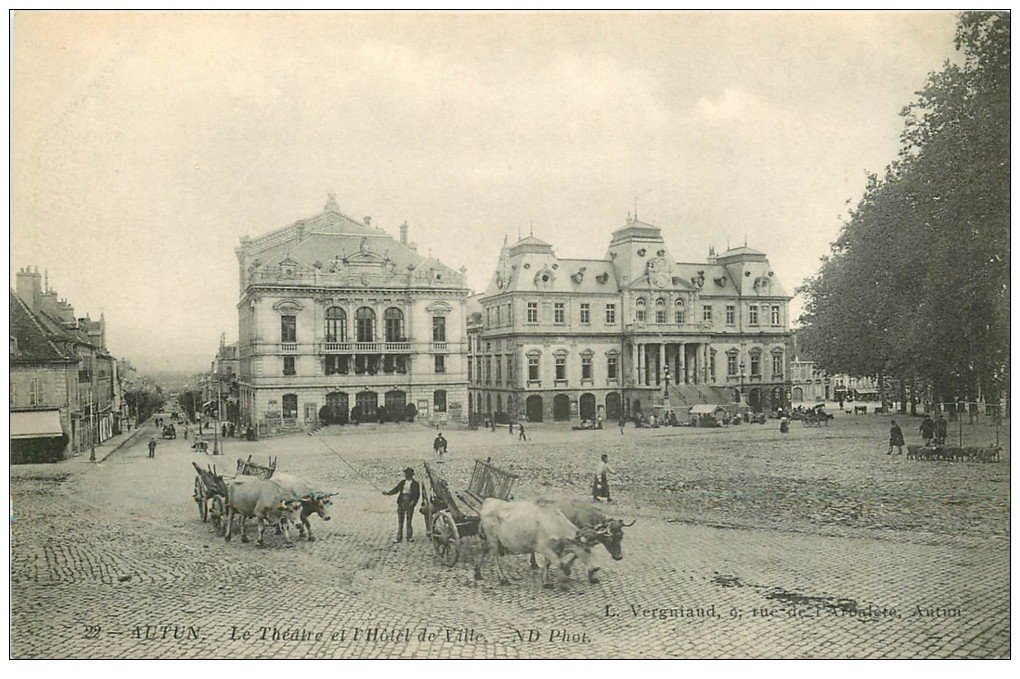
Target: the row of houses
pixel 66 389
pixel 339 319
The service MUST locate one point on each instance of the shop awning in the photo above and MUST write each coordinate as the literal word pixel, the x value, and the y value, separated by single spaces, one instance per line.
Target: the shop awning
pixel 706 409
pixel 36 424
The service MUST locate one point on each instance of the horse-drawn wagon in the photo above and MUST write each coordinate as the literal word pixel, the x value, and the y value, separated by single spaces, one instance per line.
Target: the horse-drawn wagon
pixel 451 516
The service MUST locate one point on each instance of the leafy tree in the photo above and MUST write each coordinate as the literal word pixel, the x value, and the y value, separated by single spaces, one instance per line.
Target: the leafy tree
pixel 917 284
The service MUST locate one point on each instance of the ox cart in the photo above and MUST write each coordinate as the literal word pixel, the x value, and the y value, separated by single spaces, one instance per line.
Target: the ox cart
pixel 451 516
pixel 211 488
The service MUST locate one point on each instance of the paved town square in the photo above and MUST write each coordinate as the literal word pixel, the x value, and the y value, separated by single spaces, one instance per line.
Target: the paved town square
pixel 747 543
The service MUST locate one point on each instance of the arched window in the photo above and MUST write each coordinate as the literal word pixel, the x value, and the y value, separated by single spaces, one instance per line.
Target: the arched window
pixel 660 311
pixel 364 318
pixel 394 320
pixel 679 312
pixel 639 310
pixel 336 324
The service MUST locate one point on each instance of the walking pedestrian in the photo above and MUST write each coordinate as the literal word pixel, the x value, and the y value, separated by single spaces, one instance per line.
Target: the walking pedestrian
pixel 623 423
pixel 927 430
pixel 522 436
pixel 408 491
pixel 895 438
pixel 439 447
pixel 152 447
pixel 941 430
pixel 600 488
pixel 511 428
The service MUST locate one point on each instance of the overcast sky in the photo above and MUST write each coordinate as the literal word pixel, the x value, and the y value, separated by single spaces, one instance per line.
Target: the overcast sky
pixel 145 145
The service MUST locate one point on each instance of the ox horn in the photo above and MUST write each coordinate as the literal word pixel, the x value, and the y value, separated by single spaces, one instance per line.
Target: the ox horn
pixel 628 525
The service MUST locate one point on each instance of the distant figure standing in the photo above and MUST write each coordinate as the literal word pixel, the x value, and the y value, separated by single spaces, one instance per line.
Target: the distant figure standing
pixel 895 438
pixel 784 425
pixel 927 430
pixel 623 423
pixel 223 431
pixel 407 491
pixel 521 437
pixel 941 430
pixel 152 447
pixel 600 488
pixel 511 428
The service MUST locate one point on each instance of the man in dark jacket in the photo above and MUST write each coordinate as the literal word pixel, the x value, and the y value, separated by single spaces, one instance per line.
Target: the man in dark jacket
pixel 895 438
pixel 408 491
pixel 941 430
pixel 927 430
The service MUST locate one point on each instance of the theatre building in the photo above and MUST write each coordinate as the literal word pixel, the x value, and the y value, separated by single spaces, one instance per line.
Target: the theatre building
pixel 338 320
pixel 636 331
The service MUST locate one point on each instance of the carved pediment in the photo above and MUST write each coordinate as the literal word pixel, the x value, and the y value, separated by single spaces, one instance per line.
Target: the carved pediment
pixel 439 308
pixel 288 305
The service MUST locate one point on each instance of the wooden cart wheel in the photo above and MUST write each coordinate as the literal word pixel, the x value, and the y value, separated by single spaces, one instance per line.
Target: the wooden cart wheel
pixel 203 510
pixel 445 538
pixel 219 514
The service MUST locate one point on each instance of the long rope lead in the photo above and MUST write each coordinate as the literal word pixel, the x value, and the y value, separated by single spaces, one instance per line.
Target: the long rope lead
pixel 353 468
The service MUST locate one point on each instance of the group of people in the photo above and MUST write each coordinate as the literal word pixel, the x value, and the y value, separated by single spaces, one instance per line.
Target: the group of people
pixel 931 431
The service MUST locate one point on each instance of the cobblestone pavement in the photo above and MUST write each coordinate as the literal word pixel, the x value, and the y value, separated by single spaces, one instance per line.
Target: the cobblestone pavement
pixel 747 544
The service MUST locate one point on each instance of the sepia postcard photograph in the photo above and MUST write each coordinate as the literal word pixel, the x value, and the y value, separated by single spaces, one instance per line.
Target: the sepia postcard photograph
pixel 509 335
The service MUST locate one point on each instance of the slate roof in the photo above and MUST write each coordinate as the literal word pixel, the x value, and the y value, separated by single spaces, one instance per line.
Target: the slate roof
pixel 32 336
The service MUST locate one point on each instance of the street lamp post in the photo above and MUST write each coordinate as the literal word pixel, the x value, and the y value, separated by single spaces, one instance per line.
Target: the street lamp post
pixel 744 400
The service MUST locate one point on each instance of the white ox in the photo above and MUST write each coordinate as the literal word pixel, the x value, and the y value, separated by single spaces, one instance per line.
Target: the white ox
pixel 266 501
pixel 581 513
pixel 312 501
pixel 530 528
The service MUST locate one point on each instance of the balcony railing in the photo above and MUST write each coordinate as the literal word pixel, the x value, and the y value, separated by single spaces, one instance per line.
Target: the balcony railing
pixel 439 346
pixel 288 346
pixel 364 347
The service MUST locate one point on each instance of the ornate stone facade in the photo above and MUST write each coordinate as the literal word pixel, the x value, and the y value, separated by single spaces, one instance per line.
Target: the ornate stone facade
pixel 335 314
pixel 635 331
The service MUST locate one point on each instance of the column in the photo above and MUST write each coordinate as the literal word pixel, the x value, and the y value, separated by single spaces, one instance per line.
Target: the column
pixel 659 374
pixel 639 378
pixel 706 363
pixel 681 364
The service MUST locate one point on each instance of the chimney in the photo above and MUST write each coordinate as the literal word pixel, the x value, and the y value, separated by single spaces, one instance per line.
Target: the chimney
pixel 712 257
pixel 403 233
pixel 30 287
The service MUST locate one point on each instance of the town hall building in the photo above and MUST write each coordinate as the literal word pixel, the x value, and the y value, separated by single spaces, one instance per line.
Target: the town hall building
pixel 637 331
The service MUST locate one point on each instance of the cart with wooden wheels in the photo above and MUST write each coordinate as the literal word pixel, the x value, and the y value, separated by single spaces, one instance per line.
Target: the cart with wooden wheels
pixel 211 496
pixel 452 516
pixel 249 468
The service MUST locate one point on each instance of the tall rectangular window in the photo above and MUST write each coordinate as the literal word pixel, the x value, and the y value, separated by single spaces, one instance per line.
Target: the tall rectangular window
pixel 439 400
pixel 585 313
pixel 706 313
pixel 440 360
pixel 755 364
pixel 752 314
pixel 488 369
pixel 610 314
pixel 439 328
pixel 533 368
pixel 288 365
pixel 469 369
pixel 775 314
pixel 559 313
pixel 711 365
pixel 777 365
pixel 532 312
pixel 288 328
pixel 499 369
pixel 561 367
pixel 731 314
pixel 612 364
pixel 731 364
pixel 586 368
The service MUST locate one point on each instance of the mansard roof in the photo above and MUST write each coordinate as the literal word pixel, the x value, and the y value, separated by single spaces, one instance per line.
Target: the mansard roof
pixel 332 242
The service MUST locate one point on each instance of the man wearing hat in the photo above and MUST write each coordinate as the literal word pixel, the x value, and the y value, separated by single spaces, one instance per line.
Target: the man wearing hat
pixel 407 491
